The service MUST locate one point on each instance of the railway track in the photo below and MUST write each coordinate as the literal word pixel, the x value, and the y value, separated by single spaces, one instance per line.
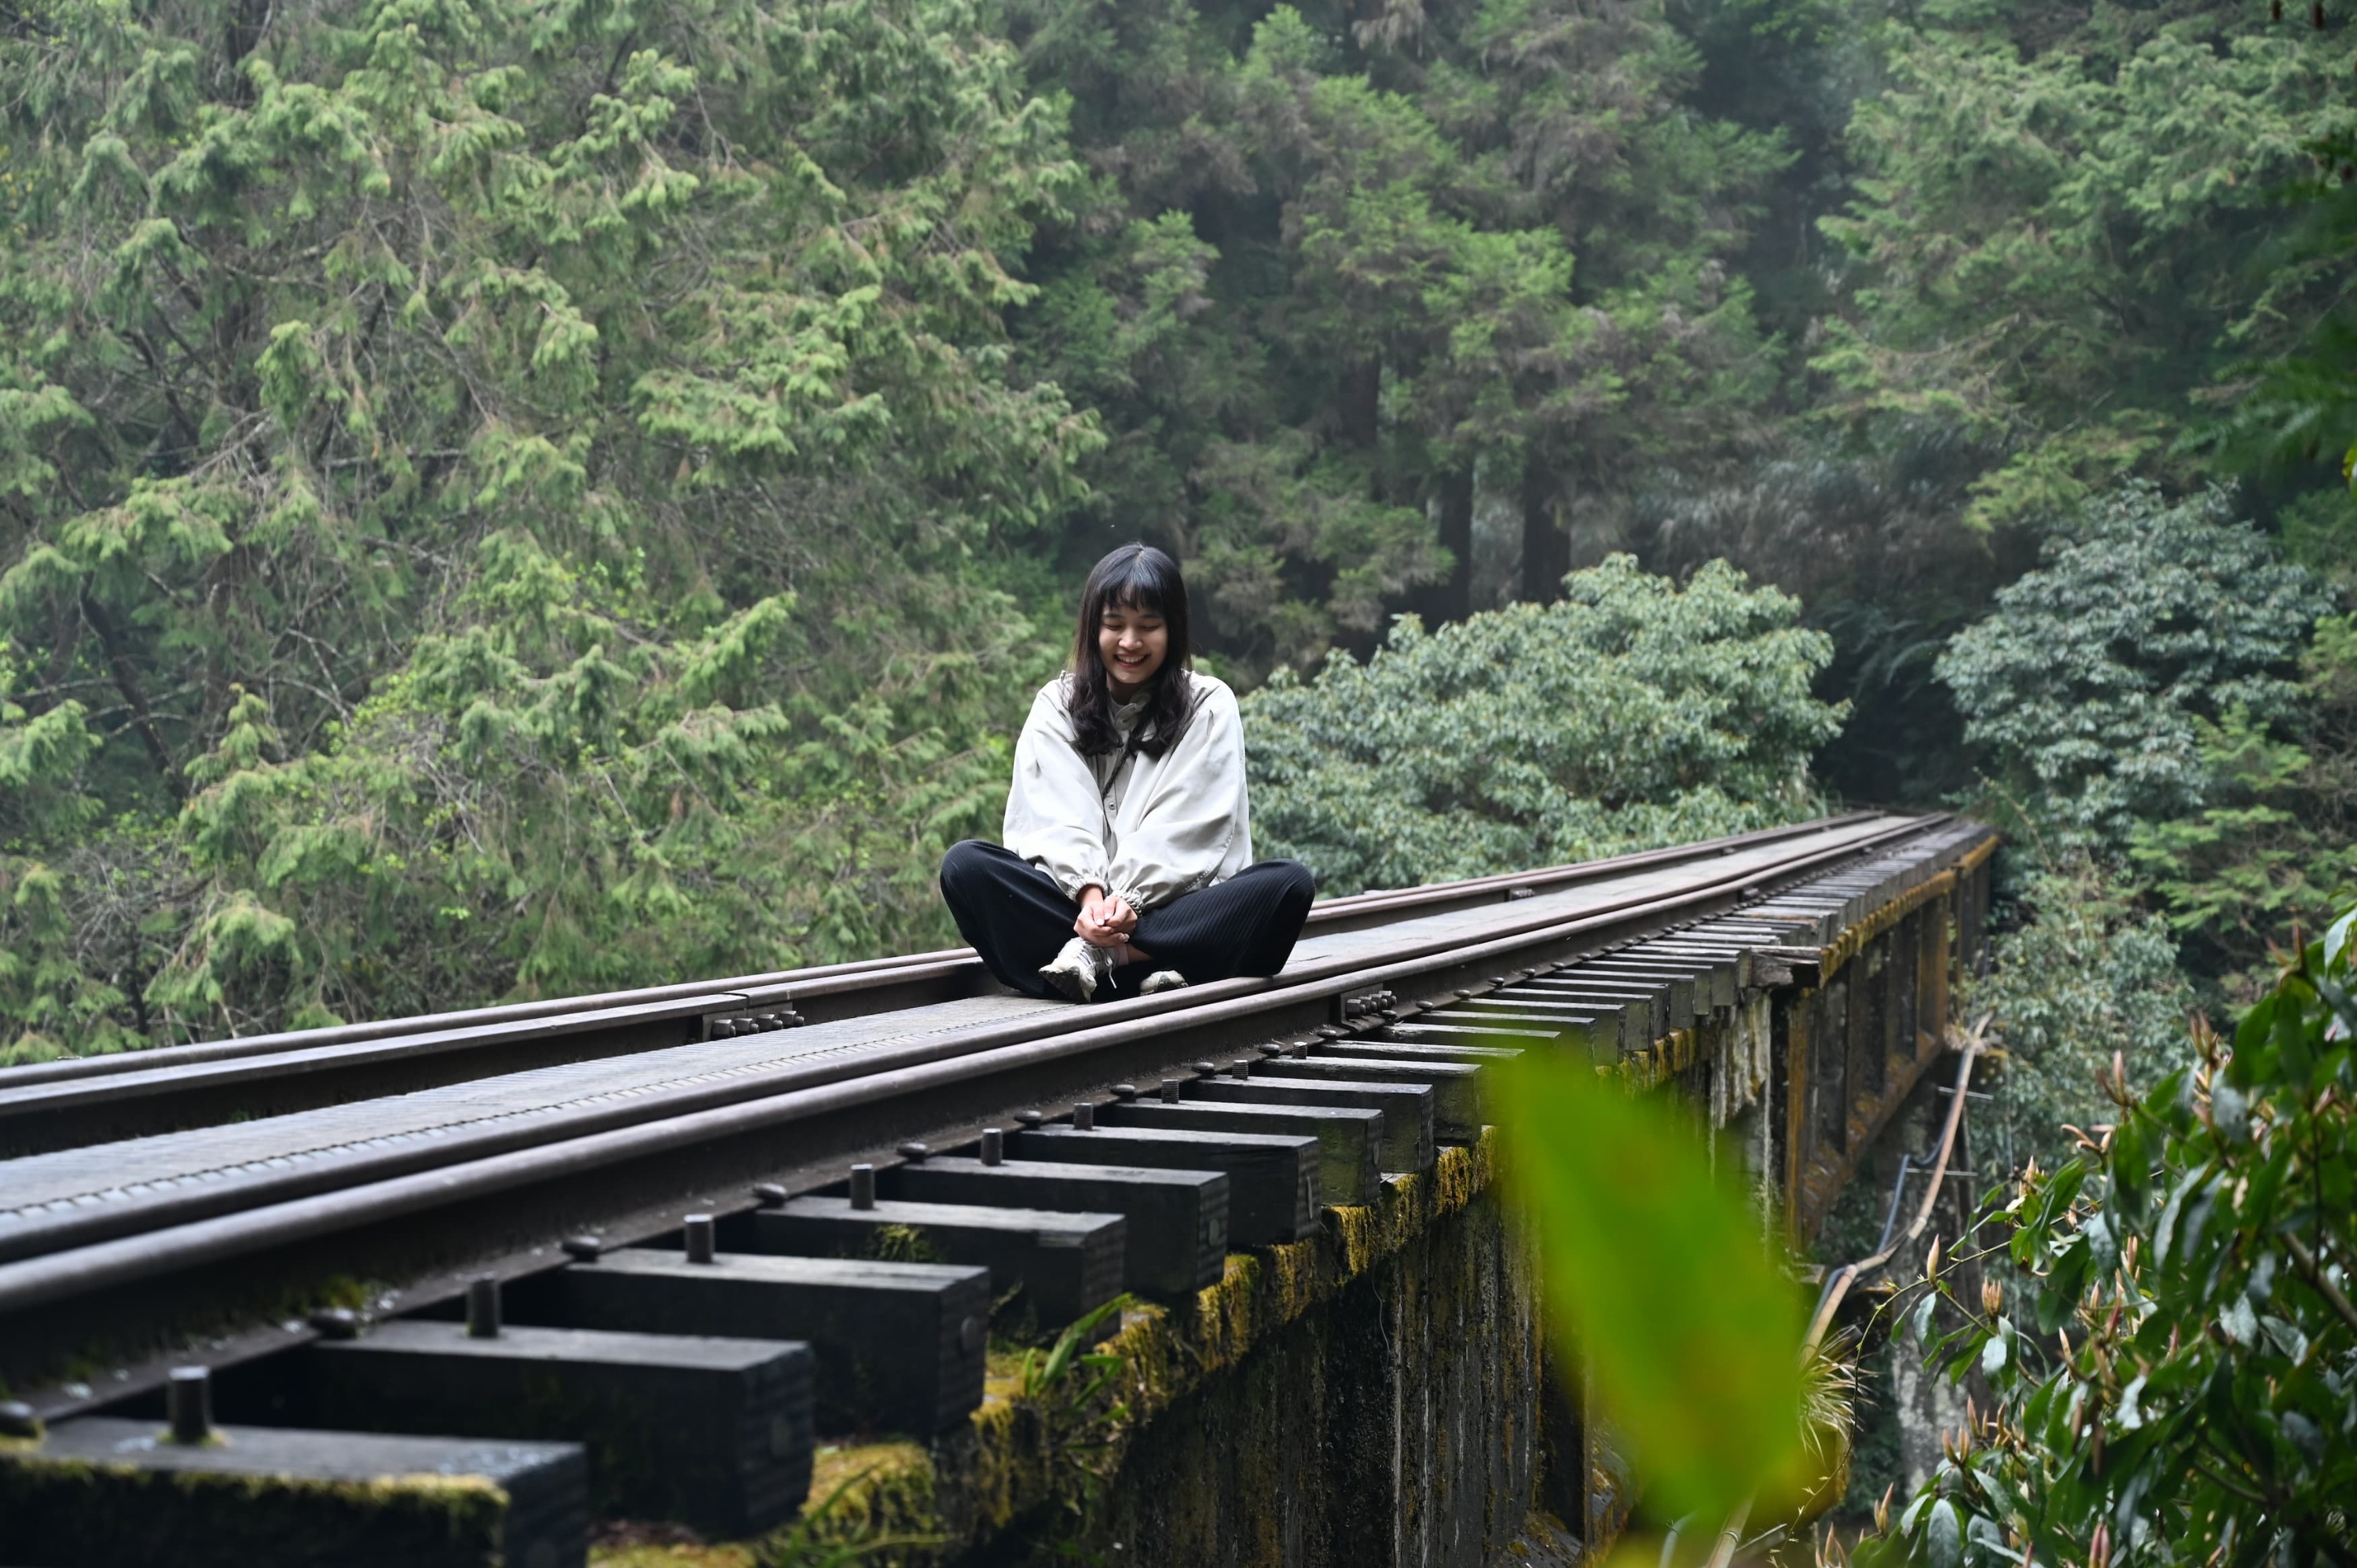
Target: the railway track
pixel 92 1099
pixel 677 1210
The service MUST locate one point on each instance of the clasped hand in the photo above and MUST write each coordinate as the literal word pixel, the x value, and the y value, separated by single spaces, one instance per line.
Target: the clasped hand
pixel 1104 922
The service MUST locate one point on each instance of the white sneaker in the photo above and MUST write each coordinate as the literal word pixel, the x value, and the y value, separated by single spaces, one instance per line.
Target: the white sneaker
pixel 1078 969
pixel 1162 980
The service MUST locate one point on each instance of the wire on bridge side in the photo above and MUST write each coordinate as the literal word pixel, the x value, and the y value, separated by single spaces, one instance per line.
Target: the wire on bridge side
pixel 1837 1284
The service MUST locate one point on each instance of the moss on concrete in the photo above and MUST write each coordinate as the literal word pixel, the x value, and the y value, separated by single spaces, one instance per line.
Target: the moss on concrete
pixel 93 1511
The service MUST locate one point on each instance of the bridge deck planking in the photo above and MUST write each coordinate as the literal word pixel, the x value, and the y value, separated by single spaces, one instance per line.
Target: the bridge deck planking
pixel 62 1185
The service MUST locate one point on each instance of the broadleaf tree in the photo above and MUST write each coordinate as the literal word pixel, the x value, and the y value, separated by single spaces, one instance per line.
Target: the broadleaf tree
pixel 2087 685
pixel 1632 712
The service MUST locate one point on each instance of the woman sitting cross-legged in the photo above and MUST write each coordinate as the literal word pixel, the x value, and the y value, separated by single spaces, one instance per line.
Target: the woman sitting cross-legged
pixel 1128 857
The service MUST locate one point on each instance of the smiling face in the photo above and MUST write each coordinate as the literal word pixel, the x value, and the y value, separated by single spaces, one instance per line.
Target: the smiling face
pixel 1133 641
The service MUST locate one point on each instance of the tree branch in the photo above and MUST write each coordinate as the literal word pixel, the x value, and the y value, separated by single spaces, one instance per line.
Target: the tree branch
pixel 125 683
pixel 2314 1275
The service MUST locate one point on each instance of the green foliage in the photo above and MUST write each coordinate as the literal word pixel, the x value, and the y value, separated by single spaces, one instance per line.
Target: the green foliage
pixel 2174 1367
pixel 2082 978
pixel 488 497
pixel 1075 1390
pixel 2319 530
pixel 808 1542
pixel 2277 846
pixel 1659 1281
pixel 2088 683
pixel 1869 536
pixel 2054 219
pixel 1344 269
pixel 2300 408
pixel 1632 713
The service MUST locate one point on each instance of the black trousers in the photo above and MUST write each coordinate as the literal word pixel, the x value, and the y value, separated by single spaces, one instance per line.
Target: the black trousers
pixel 1017 918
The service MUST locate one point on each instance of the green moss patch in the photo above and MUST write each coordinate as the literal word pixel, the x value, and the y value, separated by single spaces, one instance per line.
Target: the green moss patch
pixel 87 1511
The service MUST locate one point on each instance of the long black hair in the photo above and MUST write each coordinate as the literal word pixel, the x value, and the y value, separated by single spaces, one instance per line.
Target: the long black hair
pixel 1137 577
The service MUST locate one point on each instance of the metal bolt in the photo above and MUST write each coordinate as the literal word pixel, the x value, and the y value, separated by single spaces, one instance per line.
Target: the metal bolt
pixel 17 1420
pixel 769 1195
pixel 701 1247
pixel 188 1403
pixel 1125 1091
pixel 1170 1089
pixel 1085 1117
pixel 771 1021
pixel 863 1185
pixel 994 1146
pixel 335 1323
pixel 582 1248
pixel 483 1308
pixel 914 1152
pixel 1205 1069
pixel 1331 1031
pixel 1240 1069
pixel 1030 1118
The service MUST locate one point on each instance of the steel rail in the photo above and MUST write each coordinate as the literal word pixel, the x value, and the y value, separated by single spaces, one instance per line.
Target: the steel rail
pixel 421 1023
pixel 829 980
pixel 792 1094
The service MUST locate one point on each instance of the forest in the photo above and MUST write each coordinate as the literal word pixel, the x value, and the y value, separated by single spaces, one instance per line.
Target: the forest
pixel 512 498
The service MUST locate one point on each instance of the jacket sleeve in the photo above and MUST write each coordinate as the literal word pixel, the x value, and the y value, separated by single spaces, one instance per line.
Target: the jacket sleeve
pixel 1055 814
pixel 1194 814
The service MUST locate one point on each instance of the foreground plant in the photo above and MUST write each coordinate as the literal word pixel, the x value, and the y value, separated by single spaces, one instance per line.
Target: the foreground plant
pixel 2171 1375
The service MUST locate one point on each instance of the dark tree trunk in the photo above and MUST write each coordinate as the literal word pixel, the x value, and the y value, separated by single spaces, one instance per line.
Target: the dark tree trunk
pixel 1451 599
pixel 1361 391
pixel 1454 598
pixel 1546 547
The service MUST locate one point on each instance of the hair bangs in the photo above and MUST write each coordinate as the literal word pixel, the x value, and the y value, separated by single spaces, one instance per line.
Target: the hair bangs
pixel 1142 578
pixel 1136 582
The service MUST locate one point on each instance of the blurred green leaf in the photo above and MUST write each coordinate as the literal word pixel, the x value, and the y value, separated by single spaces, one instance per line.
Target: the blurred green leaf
pixel 1657 1277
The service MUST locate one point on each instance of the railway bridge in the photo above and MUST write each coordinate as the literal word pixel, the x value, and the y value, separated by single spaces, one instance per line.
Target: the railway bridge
pixel 878 1251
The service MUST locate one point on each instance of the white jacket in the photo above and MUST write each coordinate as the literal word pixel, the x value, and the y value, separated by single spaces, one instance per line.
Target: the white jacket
pixel 1144 829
